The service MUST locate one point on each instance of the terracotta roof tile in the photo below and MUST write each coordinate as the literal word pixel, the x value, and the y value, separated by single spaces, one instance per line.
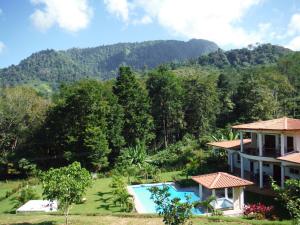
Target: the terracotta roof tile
pixel 293 157
pixel 281 124
pixel 220 180
pixel 233 144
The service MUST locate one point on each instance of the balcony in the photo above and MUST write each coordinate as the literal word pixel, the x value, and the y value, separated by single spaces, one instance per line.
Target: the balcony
pixel 267 152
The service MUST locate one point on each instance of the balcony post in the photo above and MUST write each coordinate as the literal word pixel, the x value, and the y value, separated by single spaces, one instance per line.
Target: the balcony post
pixel 242 166
pixel 282 142
pixel 260 145
pixel 231 162
pixel 261 181
pixel 282 176
pixel 242 141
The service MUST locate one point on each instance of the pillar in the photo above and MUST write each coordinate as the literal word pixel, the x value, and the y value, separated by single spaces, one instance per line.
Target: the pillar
pixel 200 192
pixel 282 176
pixel 242 197
pixel 261 181
pixel 260 144
pixel 242 141
pixel 242 167
pixel 226 193
pixel 282 142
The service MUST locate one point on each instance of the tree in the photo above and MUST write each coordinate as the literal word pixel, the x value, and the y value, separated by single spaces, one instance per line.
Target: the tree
pixel 22 111
pixel 138 122
pixel 85 125
pixel 254 100
pixel 200 105
pixel 290 196
pixel 166 92
pixel 67 185
pixel 174 211
pixel 207 203
pixel 120 194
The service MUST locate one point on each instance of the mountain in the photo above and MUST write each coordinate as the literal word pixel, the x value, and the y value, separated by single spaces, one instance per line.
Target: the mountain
pixel 101 62
pixel 254 55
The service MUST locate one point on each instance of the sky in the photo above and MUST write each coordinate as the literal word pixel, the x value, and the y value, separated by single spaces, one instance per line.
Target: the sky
pixel 28 26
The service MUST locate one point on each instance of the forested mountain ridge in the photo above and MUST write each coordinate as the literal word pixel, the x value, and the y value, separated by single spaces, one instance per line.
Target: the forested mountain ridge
pixel 244 57
pixel 101 62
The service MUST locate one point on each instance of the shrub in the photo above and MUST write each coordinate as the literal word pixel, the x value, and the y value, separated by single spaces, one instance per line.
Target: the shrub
pixel 290 197
pixel 25 194
pixel 217 212
pixel 258 211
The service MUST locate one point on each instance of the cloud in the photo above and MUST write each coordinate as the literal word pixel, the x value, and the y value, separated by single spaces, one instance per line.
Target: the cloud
pixel 2 47
pixel 294 43
pixel 119 8
pixel 70 15
pixel 293 32
pixel 294 25
pixel 214 20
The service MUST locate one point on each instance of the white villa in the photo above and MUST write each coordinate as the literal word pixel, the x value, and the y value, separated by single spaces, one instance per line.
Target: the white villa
pixel 266 148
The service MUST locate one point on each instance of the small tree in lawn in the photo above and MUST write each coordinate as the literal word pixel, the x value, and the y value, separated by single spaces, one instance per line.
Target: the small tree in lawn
pixel 174 211
pixel 290 195
pixel 66 185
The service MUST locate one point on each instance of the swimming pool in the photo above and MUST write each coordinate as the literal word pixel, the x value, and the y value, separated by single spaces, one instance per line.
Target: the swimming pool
pixel 144 203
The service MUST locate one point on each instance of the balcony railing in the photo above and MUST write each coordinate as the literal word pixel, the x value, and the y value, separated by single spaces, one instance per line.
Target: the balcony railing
pixel 267 152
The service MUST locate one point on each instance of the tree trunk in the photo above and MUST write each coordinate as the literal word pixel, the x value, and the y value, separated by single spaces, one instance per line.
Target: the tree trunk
pixel 66 215
pixel 165 133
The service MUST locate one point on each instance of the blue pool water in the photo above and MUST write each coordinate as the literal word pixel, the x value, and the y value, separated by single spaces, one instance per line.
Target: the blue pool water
pixel 143 195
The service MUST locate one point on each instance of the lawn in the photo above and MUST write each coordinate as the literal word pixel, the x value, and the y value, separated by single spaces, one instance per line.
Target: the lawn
pixel 99 196
pixel 99 209
pixel 132 219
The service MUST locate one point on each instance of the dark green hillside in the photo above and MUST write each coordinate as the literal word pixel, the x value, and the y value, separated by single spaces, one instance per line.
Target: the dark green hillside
pixel 101 62
pixel 245 57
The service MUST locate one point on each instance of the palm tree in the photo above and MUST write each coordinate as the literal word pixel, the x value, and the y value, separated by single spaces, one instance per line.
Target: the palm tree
pixel 206 204
pixel 225 135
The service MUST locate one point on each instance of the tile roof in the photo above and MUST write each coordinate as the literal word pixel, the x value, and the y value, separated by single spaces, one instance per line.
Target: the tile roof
pixel 233 144
pixel 220 180
pixel 280 124
pixel 293 157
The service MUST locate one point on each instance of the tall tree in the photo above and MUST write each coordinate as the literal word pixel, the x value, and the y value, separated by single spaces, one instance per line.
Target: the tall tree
pixel 138 122
pixel 254 100
pixel 21 112
pixel 84 125
pixel 166 93
pixel 201 104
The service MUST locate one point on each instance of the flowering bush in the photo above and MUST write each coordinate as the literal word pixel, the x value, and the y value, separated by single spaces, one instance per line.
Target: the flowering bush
pixel 258 211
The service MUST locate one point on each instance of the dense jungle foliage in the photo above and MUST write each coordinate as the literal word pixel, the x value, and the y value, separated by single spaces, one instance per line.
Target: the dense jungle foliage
pixel 140 119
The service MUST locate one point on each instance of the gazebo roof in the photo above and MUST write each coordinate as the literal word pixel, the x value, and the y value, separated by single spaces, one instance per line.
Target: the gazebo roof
pixel 280 124
pixel 220 180
pixel 233 144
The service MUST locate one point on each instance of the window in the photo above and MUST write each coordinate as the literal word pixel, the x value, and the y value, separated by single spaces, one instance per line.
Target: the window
pixel 270 141
pixel 290 144
pixel 266 165
pixel 238 159
pixel 294 171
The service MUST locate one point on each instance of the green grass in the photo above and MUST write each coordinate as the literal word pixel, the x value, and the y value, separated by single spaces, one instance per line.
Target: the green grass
pixel 99 196
pixel 125 219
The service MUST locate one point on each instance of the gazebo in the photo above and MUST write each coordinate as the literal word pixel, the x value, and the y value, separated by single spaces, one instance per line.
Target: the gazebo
pixel 223 181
